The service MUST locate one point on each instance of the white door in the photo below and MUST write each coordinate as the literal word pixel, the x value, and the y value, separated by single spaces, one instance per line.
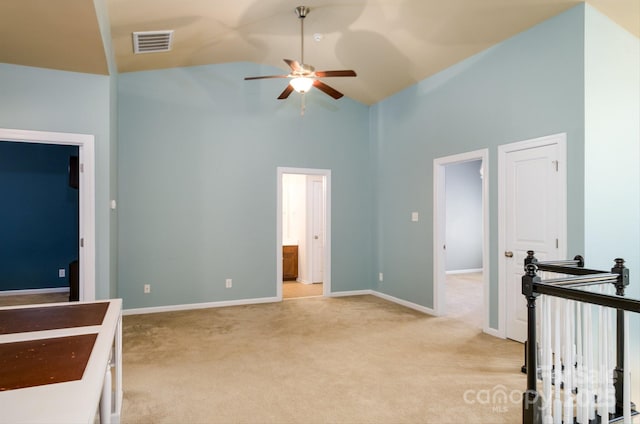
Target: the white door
pixel 317 231
pixel 534 217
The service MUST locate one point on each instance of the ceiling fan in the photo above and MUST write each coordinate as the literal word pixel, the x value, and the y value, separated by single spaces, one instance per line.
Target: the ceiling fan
pixel 304 76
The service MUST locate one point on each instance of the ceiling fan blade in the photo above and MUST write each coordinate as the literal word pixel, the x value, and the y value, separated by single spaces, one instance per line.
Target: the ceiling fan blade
pixel 266 76
pixel 286 92
pixel 326 89
pixel 293 64
pixel 342 73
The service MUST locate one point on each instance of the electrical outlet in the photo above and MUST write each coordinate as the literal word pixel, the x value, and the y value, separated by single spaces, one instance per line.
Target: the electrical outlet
pixel 228 283
pixel 147 288
pixel 380 277
pixel 62 273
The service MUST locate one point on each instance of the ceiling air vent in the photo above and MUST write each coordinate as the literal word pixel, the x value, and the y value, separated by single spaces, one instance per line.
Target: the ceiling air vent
pixel 152 41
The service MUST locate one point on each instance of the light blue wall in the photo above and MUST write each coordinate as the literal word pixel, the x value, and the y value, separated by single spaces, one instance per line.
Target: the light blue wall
pixel 102 14
pixel 113 187
pixel 612 154
pixel 463 197
pixel 60 101
pixel 528 86
pixel 198 152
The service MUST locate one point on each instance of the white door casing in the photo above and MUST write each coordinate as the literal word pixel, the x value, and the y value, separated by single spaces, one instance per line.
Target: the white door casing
pixel 439 230
pixel 531 215
pixel 86 192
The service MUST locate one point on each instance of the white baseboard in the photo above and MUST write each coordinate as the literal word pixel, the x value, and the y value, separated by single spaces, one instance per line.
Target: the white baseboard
pixel 463 271
pixel 493 332
pixel 35 291
pixel 170 308
pixel 351 293
pixel 406 303
pixel 490 331
pixel 189 306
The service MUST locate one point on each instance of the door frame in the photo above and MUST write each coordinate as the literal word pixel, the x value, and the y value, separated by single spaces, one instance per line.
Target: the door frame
pixel 439 230
pixel 561 140
pixel 86 193
pixel 326 173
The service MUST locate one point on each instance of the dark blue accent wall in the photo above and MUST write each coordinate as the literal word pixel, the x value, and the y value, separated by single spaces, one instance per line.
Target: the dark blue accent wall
pixel 38 215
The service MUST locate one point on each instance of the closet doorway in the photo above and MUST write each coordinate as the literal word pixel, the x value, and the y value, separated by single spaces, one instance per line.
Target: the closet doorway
pixel 303 233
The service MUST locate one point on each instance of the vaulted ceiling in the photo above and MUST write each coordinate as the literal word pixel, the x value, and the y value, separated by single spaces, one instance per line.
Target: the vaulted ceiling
pixel 391 44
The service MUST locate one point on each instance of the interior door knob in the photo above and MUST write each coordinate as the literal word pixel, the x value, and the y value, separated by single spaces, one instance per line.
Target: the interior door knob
pixel 508 254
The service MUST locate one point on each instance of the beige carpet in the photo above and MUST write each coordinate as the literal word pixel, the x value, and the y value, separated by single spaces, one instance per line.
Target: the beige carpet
pixel 293 289
pixel 31 299
pixel 356 359
pixel 465 293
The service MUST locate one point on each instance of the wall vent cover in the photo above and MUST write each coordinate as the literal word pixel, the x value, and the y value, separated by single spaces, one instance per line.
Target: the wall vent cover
pixel 152 41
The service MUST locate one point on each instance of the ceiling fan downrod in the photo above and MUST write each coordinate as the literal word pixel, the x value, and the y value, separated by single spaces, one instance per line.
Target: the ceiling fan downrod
pixel 302 12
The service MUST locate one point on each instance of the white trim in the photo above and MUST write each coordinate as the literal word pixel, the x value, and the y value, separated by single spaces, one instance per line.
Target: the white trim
pixel 561 140
pixel 351 293
pixel 205 305
pixel 221 304
pixel 194 306
pixel 34 291
pixel 326 173
pixel 463 271
pixel 87 230
pixel 439 222
pixel 241 302
pixel 493 332
pixel 405 303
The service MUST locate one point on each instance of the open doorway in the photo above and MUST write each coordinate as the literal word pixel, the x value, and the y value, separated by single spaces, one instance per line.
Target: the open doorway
pixel 39 223
pixel 83 146
pixel 303 258
pixel 461 237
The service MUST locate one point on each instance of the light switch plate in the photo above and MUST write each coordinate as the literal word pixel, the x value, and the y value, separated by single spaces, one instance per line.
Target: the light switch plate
pixel 414 216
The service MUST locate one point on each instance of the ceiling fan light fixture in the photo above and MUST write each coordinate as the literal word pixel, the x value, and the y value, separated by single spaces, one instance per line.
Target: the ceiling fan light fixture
pixel 302 76
pixel 301 84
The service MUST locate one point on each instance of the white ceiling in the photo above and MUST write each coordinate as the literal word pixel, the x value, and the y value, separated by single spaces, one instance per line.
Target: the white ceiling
pixel 391 44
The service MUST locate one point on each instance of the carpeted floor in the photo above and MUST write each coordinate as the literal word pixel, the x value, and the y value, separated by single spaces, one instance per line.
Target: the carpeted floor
pixel 464 297
pixel 31 299
pixel 356 359
pixel 293 289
